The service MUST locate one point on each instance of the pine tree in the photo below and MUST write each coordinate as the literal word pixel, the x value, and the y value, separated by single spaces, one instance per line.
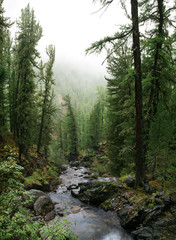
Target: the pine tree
pixel 27 39
pixel 4 25
pixel 95 126
pixel 120 114
pixel 140 164
pixel 158 71
pixel 48 108
pixel 70 129
pixel 123 35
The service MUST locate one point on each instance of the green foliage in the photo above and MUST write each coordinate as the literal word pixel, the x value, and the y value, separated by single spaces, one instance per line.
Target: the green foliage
pixel 100 165
pixel 25 55
pixel 15 221
pixel 58 230
pixel 121 128
pixel 70 128
pixel 95 126
pixel 47 106
pixel 41 176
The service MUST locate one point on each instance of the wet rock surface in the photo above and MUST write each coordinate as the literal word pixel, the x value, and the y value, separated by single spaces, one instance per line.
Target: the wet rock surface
pixel 31 196
pixel 142 217
pixel 43 205
pixel 148 215
pixel 94 192
pixel 91 222
pixel 38 201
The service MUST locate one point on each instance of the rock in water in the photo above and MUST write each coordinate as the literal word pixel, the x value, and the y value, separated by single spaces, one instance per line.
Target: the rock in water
pixel 31 196
pixel 43 205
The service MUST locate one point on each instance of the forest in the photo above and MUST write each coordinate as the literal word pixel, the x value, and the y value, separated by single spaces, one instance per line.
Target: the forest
pixel 49 117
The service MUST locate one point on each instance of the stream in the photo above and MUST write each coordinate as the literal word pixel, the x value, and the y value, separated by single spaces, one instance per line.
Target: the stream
pixel 89 223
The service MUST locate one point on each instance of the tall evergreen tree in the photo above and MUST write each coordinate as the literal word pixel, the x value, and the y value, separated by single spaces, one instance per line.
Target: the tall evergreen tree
pixel 47 105
pixel 157 67
pixel 27 39
pixel 95 126
pixel 140 164
pixel 123 35
pixel 4 25
pixel 70 128
pixel 121 117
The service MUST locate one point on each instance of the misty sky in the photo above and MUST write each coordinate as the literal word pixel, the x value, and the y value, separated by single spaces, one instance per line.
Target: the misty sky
pixel 70 26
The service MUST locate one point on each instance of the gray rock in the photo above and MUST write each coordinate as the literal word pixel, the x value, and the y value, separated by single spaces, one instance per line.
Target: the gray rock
pixel 94 192
pixel 126 196
pixel 143 233
pixel 43 205
pixel 114 203
pixel 152 214
pixel 165 222
pixel 148 188
pixel 124 211
pixel 130 181
pixel 31 196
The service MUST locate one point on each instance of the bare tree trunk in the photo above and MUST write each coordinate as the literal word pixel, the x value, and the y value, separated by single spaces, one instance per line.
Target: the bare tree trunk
pixel 138 94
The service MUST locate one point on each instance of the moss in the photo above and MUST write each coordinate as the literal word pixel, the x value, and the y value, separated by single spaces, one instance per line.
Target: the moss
pixel 106 204
pixel 41 176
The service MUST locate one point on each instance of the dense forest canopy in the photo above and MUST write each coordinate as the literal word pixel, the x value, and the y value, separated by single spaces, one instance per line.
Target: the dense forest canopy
pixel 55 106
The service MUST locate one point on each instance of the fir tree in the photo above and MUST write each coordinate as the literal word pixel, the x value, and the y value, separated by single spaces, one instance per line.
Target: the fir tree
pixel 70 128
pixel 4 25
pixel 48 108
pixel 27 39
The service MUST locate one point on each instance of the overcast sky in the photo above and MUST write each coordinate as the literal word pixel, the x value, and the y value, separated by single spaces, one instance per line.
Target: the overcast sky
pixel 71 26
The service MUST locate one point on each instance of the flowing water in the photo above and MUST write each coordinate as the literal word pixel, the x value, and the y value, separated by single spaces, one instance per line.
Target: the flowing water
pixel 89 223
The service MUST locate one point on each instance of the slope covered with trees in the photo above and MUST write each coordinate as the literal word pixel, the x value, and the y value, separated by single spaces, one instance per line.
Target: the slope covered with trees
pixel 59 114
pixel 141 89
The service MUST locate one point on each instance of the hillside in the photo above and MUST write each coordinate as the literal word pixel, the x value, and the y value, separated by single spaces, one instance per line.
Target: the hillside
pixel 79 83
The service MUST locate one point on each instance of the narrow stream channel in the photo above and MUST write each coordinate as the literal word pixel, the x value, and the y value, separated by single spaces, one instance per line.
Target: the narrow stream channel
pixel 89 223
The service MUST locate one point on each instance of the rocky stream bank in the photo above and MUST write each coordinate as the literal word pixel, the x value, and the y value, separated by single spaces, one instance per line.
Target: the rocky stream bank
pixel 147 213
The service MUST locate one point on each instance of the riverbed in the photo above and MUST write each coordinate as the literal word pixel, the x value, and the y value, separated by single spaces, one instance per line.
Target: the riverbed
pixel 88 222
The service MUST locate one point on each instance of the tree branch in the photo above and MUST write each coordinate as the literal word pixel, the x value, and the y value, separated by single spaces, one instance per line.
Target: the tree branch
pixel 98 46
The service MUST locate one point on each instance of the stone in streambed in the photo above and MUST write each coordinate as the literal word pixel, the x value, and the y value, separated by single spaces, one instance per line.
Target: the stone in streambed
pixel 94 192
pixel 43 205
pixel 31 196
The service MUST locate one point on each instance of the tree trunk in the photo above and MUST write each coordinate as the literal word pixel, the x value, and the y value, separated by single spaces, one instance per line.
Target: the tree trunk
pixel 41 126
pixel 138 94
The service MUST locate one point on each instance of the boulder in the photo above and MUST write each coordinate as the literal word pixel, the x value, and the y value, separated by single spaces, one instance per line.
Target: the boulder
pixel 130 181
pixel 94 192
pixel 143 233
pixel 43 205
pixel 31 196
pixel 151 214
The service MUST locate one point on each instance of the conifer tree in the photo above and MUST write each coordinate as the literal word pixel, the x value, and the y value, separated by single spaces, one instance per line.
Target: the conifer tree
pixel 70 128
pixel 47 104
pixel 4 25
pixel 95 126
pixel 123 35
pixel 158 70
pixel 121 117
pixel 27 39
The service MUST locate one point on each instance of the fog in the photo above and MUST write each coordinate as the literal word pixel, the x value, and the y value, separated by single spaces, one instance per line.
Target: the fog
pixel 71 25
